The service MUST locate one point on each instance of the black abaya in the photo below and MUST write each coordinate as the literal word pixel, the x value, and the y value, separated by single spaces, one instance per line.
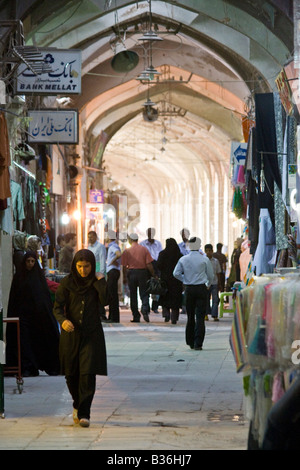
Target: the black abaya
pixel 30 301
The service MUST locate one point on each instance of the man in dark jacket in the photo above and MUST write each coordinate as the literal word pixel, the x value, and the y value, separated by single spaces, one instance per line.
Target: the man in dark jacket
pixel 67 253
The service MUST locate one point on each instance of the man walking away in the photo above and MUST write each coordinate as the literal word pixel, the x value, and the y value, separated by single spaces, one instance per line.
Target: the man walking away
pixel 196 273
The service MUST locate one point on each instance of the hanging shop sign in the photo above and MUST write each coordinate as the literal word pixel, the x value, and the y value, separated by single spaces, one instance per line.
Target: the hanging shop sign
pixel 98 150
pixel 238 152
pixel 96 196
pixel 50 126
pixel 64 77
pixel 292 173
pixel 284 91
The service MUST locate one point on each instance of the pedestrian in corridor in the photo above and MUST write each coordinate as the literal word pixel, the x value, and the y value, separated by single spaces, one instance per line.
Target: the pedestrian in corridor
pixel 137 263
pixel 213 289
pixel 196 273
pixel 67 253
pixel 154 247
pixel 82 342
pixel 113 269
pixel 171 301
pixel 99 251
pixel 30 301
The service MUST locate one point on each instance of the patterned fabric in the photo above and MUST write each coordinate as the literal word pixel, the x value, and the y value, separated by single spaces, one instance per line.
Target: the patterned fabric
pixel 237 338
pixel 280 210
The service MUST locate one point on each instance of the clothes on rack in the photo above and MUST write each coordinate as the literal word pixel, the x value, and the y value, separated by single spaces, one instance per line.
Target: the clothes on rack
pixel 261 183
pixel 17 203
pixel 265 331
pixel 4 159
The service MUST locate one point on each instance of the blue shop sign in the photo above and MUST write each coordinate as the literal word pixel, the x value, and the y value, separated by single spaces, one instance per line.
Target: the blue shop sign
pixel 97 195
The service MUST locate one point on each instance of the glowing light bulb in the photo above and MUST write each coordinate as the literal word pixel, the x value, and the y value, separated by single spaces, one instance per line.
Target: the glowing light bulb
pixel 65 219
pixel 77 215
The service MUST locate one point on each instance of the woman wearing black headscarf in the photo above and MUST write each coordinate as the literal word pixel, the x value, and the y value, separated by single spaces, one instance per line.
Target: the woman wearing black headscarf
pixel 30 300
pixel 82 342
pixel 166 262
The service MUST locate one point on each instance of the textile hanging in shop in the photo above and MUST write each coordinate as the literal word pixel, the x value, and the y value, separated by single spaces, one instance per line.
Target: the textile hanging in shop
pixel 247 125
pixel 251 177
pixel 267 326
pixel 4 159
pixel 49 175
pixel 265 255
pixel 281 215
pixel 237 338
pixel 17 203
pixel 266 146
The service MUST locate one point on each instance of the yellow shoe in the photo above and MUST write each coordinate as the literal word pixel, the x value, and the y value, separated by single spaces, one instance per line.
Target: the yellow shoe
pixel 75 416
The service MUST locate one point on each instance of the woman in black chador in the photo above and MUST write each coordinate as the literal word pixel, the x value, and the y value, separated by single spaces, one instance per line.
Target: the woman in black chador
pixel 82 342
pixel 171 302
pixel 30 300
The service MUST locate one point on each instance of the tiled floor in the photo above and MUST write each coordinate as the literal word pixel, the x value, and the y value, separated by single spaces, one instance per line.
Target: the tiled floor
pixel 158 395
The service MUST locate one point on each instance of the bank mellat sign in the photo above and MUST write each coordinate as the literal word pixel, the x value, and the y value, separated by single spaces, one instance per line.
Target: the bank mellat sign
pixel 62 75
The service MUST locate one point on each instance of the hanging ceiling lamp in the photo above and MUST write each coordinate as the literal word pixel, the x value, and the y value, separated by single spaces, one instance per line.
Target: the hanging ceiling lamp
pixel 150 114
pixel 124 60
pixel 149 103
pixel 150 35
pixel 143 76
pixel 151 71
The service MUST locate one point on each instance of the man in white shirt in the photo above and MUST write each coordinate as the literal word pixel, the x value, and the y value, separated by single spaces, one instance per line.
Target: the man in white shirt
pixel 183 246
pixel 99 251
pixel 113 268
pixel 195 271
pixel 152 245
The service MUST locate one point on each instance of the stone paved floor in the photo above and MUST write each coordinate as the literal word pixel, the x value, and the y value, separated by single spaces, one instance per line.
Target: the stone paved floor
pixel 158 395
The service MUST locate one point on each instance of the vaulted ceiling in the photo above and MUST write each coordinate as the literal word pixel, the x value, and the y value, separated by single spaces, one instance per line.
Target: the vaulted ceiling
pixel 213 57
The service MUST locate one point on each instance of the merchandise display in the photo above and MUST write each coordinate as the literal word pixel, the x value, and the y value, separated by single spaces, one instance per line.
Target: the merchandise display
pixel 265 342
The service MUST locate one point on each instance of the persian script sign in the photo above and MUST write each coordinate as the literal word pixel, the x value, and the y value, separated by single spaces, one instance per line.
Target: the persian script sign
pixel 51 126
pixel 64 78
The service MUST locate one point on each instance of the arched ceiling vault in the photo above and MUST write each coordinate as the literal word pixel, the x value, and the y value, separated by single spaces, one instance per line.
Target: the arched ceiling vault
pixel 215 55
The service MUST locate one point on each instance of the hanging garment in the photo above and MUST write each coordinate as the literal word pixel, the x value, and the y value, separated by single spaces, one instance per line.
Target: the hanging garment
pixel 251 177
pixel 267 151
pixel 4 159
pixel 237 337
pixel 279 206
pixel 265 254
pixel 17 202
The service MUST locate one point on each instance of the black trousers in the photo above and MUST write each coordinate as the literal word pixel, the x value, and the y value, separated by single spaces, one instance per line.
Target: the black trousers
pixel 196 298
pixel 112 286
pixel 137 280
pixel 82 389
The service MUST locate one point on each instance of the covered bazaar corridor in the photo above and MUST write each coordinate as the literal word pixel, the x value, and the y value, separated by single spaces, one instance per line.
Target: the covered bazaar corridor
pixel 171 160
pixel 125 115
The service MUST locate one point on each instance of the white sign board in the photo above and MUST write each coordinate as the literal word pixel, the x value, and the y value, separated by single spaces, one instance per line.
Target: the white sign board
pixel 53 126
pixel 64 78
pixel 238 152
